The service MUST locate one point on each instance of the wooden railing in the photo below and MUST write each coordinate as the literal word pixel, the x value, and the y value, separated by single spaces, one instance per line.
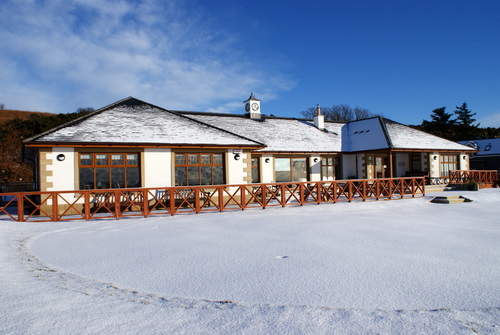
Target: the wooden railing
pixel 120 203
pixel 485 178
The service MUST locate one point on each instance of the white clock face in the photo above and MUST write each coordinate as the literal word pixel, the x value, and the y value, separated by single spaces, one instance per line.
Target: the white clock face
pixel 255 106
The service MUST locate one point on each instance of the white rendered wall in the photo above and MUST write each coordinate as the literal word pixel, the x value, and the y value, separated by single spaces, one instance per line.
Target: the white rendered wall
pixel 236 168
pixel 63 172
pixel 434 165
pixel 266 169
pixel 315 168
pixel 157 168
pixel 463 164
pixel 348 166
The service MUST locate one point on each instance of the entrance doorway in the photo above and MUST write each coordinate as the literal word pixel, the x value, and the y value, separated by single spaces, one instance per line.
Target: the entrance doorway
pixel 381 164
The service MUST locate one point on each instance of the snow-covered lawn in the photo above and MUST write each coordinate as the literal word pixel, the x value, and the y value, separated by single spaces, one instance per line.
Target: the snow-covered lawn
pixel 381 267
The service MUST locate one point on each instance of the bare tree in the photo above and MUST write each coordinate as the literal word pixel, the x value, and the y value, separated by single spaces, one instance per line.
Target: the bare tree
pixel 339 113
pixel 362 113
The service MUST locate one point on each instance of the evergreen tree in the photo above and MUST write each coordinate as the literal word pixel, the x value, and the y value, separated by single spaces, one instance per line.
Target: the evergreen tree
pixel 467 130
pixel 441 124
pixel 441 118
pixel 464 116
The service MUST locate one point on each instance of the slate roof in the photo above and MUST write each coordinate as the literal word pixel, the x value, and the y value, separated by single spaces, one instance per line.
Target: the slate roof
pixel 279 134
pixel 141 124
pixel 132 121
pixel 486 147
pixel 404 137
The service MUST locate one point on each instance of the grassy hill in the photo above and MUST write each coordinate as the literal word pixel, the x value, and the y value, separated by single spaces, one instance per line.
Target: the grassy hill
pixel 7 115
pixel 15 126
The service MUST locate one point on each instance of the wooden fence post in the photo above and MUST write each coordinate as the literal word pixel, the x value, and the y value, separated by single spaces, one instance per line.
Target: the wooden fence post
pixel 20 207
pixel 145 202
pixel 221 198
pixel 55 206
pixel 172 201
pixel 86 205
pixel 242 197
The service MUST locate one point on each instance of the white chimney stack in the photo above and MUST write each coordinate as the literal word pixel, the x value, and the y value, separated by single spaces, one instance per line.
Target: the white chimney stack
pixel 319 119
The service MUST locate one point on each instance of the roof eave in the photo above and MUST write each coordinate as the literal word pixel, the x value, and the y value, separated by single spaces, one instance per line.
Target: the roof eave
pixel 141 145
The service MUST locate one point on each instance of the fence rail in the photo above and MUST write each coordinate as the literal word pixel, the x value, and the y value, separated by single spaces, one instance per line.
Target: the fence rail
pixel 485 178
pixel 120 203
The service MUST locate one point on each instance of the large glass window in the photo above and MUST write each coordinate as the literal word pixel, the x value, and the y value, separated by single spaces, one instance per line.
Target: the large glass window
pixel 415 161
pixel 105 170
pixel 199 169
pixel 381 166
pixel 330 168
pixel 448 162
pixel 290 169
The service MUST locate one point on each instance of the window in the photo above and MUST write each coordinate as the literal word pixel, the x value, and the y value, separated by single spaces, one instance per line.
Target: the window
pixel 330 168
pixel 290 169
pixel 416 164
pixel 448 162
pixel 381 165
pixel 199 169
pixel 255 171
pixel 105 170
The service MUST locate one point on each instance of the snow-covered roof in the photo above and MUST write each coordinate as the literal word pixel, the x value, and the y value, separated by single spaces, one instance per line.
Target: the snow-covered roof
pixel 135 122
pixel 404 137
pixel 279 134
pixel 486 147
pixel 142 124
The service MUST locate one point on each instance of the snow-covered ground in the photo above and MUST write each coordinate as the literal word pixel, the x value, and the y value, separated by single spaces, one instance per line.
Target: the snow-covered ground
pixel 381 267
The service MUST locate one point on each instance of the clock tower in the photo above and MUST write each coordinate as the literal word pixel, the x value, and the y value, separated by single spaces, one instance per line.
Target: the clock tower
pixel 252 107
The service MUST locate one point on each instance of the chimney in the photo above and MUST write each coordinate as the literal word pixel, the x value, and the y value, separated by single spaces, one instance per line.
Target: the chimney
pixel 319 119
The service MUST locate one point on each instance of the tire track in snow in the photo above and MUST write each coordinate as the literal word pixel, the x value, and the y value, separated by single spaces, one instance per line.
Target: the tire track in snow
pixel 467 319
pixel 91 287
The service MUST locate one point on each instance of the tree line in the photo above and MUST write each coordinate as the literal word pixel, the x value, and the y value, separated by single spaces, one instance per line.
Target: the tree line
pixel 15 130
pixel 457 126
pixel 339 113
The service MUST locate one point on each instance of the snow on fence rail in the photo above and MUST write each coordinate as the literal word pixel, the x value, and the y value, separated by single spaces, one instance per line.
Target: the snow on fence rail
pixel 119 203
pixel 485 178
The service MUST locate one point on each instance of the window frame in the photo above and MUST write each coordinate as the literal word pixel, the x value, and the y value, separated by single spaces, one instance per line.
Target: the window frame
pixel 415 159
pixel 255 170
pixel 99 162
pixel 445 164
pixel 292 169
pixel 200 166
pixel 335 166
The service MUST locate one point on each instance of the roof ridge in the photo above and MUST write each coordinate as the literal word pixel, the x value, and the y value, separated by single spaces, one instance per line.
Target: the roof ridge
pixel 78 120
pixel 135 102
pixel 220 129
pixel 386 132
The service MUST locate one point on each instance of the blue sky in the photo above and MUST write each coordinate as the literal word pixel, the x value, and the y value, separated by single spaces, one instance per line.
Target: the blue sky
pixel 401 59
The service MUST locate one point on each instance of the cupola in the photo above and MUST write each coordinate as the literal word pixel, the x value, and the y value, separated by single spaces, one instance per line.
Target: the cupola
pixel 252 107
